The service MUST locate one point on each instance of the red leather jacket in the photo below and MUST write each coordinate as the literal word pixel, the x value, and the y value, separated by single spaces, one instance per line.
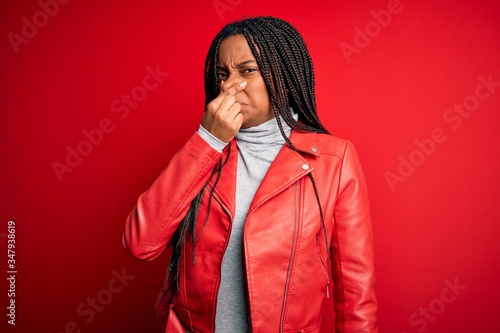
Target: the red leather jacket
pixel 284 244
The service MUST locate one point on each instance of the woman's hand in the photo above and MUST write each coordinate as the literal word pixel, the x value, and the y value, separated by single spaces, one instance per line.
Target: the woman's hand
pixel 222 117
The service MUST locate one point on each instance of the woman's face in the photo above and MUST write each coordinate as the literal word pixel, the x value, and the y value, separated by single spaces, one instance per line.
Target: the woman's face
pixel 236 64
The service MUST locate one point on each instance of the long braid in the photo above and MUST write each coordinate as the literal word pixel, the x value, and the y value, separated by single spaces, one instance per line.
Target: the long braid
pixel 187 230
pixel 288 73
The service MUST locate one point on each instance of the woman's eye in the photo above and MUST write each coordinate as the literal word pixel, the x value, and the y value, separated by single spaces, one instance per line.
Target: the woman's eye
pixel 220 75
pixel 249 70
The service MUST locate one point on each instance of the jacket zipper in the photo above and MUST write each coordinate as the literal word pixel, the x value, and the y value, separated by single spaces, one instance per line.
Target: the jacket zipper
pixel 326 273
pixel 288 274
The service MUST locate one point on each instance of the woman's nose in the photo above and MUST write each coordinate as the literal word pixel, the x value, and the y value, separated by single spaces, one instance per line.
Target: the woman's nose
pixel 231 81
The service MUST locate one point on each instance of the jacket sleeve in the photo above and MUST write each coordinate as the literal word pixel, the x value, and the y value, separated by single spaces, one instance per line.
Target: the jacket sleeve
pixel 352 251
pixel 159 210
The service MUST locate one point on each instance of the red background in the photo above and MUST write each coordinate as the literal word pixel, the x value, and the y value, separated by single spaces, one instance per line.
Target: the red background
pixel 440 224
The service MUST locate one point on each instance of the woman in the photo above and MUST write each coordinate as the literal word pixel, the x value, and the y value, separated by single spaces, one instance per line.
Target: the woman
pixel 261 201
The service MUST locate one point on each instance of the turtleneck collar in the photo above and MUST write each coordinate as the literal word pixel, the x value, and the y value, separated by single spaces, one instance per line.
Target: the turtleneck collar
pixel 267 133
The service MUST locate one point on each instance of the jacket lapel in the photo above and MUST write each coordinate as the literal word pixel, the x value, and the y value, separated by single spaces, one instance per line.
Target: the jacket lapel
pixel 287 167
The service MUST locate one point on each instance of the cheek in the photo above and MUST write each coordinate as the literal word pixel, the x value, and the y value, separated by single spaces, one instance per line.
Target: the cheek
pixel 261 92
pixel 257 94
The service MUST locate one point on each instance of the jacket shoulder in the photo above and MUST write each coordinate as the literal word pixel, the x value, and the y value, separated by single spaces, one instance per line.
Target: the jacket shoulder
pixel 332 145
pixel 321 144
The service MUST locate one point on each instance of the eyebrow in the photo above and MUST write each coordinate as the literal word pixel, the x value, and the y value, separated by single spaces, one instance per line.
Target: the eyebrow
pixel 241 64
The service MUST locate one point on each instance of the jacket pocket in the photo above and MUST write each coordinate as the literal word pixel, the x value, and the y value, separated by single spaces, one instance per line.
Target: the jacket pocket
pixel 323 265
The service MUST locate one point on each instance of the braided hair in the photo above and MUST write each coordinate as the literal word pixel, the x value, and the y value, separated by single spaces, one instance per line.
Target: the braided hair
pixel 287 70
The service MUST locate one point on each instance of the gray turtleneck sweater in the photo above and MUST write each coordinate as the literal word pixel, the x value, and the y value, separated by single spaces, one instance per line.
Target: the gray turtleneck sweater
pixel 257 148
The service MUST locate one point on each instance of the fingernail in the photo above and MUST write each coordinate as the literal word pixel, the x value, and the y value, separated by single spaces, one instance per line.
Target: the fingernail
pixel 243 84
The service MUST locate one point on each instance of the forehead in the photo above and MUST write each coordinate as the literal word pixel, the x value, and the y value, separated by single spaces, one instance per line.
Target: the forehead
pixel 234 49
